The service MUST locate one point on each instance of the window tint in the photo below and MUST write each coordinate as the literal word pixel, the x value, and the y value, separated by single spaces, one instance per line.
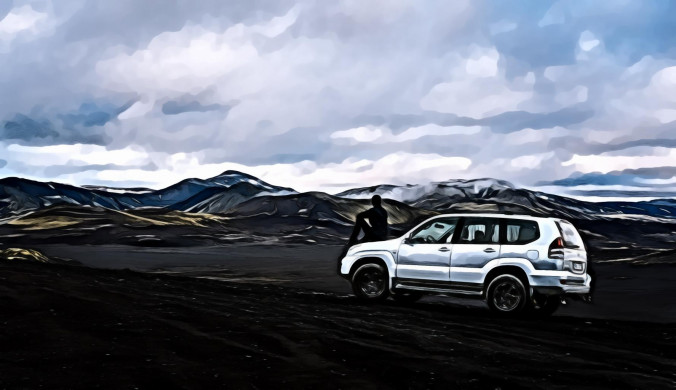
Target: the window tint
pixel 435 231
pixel 480 231
pixel 522 232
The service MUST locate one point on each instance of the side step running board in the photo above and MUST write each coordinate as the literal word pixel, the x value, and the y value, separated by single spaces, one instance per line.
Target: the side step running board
pixel 436 289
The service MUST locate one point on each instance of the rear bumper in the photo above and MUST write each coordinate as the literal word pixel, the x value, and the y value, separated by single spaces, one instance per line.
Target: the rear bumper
pixel 560 283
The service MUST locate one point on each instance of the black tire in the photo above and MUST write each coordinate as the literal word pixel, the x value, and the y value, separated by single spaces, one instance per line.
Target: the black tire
pixel 407 297
pixel 507 295
pixel 544 305
pixel 370 282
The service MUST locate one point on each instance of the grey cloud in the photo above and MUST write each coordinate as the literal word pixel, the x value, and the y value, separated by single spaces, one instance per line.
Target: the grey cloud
pixel 5 7
pixel 580 146
pixel 517 120
pixel 456 146
pixel 507 122
pixel 58 170
pixel 25 128
pixel 90 115
pixel 614 193
pixel 39 132
pixel 298 144
pixel 625 177
pixel 133 24
pixel 553 45
pixel 173 107
pixel 502 123
pixel 3 163
pixel 656 172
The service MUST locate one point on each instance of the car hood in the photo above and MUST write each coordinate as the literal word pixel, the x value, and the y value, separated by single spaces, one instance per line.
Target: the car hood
pixel 388 245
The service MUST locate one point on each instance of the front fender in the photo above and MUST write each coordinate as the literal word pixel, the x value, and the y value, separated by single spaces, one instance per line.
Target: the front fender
pixel 348 262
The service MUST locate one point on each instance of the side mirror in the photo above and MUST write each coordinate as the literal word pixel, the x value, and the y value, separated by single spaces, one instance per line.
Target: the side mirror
pixel 407 239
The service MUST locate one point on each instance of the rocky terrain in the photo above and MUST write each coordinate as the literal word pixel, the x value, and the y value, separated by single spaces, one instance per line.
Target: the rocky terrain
pixel 83 328
pixel 229 282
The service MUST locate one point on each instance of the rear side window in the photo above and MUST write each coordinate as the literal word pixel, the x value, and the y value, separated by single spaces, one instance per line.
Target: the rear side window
pixel 521 231
pixel 571 238
pixel 480 231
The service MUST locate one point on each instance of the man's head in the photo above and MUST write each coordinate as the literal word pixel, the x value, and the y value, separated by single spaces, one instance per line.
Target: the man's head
pixel 376 200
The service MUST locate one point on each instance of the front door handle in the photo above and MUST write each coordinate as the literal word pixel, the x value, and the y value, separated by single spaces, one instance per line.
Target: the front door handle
pixel 489 250
pixel 444 249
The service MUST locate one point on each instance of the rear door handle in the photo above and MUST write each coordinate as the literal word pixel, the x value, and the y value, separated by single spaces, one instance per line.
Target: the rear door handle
pixel 489 250
pixel 444 249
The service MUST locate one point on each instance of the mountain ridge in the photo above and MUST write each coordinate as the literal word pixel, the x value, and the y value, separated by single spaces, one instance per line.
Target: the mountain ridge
pixel 18 195
pixel 226 191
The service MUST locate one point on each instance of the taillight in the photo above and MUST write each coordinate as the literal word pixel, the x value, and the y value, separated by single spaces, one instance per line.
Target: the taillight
pixel 556 249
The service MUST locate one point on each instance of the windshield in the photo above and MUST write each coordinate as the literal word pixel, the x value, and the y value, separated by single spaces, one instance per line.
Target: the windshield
pixel 435 231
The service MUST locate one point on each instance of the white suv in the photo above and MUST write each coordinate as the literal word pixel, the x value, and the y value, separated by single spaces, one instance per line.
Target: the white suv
pixel 516 263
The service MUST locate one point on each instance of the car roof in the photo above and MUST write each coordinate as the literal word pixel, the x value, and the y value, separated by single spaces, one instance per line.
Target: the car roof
pixel 494 215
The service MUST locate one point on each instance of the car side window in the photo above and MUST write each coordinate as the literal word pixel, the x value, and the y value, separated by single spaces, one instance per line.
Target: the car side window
pixel 480 231
pixel 437 231
pixel 521 232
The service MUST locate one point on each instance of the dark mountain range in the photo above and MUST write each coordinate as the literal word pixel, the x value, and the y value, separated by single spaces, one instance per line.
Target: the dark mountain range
pixel 136 190
pixel 662 208
pixel 500 196
pixel 223 193
pixel 321 208
pixel 308 217
pixel 241 207
pixel 413 194
pixel 217 199
pixel 18 196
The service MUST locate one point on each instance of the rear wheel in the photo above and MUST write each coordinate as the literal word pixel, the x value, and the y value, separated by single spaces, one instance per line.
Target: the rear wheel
pixel 507 295
pixel 370 282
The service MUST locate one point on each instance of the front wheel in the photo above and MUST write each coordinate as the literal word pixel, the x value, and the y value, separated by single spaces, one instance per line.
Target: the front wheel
pixel 506 295
pixel 370 282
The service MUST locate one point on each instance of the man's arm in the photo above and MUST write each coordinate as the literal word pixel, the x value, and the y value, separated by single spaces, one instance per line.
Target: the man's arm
pixel 365 214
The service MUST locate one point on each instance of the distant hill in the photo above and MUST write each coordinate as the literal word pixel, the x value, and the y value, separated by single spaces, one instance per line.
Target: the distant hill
pixel 321 207
pixel 225 192
pixel 491 195
pixel 236 207
pixel 18 196
pixel 309 217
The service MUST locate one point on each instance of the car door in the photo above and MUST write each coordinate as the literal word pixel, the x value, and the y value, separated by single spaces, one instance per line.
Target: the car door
pixel 426 253
pixel 476 245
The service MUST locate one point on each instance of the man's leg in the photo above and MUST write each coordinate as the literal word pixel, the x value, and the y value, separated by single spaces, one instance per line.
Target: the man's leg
pixel 355 234
pixel 359 225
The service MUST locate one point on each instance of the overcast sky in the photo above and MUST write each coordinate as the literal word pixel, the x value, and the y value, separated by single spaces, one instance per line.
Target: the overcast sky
pixel 570 97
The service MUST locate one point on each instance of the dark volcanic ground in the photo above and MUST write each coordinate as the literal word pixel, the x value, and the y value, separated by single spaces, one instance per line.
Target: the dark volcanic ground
pixel 627 292
pixel 256 316
pixel 77 327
